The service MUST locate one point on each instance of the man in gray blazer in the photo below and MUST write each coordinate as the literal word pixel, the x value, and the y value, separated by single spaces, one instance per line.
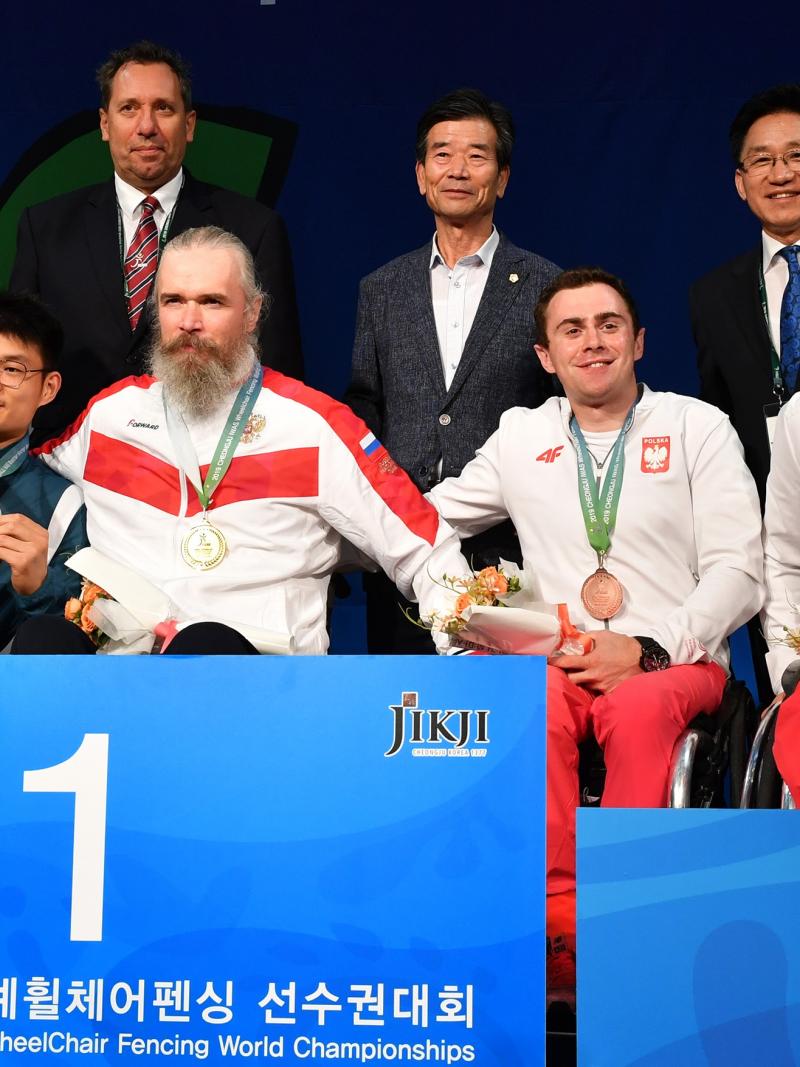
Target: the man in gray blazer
pixel 444 336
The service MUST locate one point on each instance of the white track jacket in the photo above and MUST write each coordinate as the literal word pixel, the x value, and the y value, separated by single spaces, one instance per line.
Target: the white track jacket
pixel 686 547
pixel 310 475
pixel 782 542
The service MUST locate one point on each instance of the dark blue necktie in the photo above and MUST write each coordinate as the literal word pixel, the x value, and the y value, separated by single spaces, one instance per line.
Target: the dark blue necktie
pixel 790 321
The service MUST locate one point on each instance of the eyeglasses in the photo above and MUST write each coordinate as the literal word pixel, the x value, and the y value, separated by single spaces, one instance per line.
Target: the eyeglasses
pixel 763 162
pixel 12 374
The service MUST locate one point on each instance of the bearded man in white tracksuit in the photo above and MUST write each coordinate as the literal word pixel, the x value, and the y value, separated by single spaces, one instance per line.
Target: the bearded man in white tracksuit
pixel 636 510
pixel 229 486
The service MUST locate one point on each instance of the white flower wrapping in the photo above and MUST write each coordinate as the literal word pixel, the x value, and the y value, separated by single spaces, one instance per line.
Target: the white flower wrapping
pixel 523 625
pixel 138 610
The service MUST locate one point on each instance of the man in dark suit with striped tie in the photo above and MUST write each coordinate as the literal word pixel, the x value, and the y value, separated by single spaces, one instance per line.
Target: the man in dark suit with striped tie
pixel 444 336
pixel 91 254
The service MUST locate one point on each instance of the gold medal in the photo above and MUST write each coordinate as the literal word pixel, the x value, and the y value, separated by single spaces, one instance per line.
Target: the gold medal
pixel 204 546
pixel 601 594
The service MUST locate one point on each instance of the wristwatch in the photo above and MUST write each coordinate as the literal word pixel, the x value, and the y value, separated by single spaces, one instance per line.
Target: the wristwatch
pixel 654 657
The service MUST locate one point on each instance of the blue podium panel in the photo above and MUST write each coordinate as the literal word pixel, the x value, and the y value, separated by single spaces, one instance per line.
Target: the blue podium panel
pixel 288 859
pixel 688 938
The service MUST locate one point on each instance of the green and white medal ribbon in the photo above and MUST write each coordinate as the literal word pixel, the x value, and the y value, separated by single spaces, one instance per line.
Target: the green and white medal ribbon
pixel 204 546
pixel 601 593
pixel 14 460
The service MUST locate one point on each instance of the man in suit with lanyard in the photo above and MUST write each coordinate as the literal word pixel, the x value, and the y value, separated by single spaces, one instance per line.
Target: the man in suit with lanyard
pixel 91 254
pixel 745 314
pixel 444 335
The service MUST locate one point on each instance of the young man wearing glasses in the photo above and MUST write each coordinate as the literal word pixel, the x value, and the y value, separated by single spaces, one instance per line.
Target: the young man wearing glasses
pixel 42 519
pixel 746 313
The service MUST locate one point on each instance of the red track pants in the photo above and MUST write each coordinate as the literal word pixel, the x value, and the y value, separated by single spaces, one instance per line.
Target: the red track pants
pixel 787 743
pixel 637 725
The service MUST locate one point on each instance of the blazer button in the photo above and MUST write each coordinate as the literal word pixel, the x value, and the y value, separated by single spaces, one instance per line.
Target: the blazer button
pixel 444 420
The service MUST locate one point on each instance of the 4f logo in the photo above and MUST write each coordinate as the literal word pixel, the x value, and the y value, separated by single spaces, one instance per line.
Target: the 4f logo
pixel 550 455
pixel 449 730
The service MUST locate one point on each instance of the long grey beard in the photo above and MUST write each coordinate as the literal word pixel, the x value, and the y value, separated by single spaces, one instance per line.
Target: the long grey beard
pixel 199 387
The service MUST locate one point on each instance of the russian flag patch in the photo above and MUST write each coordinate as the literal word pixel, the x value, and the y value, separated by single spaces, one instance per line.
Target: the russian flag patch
pixel 369 444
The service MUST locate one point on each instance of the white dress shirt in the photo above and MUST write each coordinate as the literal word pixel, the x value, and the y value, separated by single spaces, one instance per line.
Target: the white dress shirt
pixel 456 294
pixel 130 202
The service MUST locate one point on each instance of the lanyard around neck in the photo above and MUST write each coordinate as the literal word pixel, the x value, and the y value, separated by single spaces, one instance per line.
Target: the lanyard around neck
pixel 775 359
pixel 15 458
pixel 234 428
pixel 162 237
pixel 599 506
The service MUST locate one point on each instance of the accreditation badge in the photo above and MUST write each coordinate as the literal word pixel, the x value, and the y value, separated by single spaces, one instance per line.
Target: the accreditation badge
pixel 771 412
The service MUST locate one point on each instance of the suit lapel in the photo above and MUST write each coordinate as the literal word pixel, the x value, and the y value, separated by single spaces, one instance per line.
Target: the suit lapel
pixel 746 302
pixel 498 295
pixel 422 339
pixel 192 204
pixel 102 236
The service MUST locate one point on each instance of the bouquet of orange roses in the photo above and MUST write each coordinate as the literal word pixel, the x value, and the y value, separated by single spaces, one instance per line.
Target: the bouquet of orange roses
pixel 484 617
pixel 128 615
pixel 486 588
pixel 79 610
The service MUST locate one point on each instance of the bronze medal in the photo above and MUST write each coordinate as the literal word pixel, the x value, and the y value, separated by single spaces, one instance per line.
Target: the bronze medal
pixel 601 594
pixel 204 546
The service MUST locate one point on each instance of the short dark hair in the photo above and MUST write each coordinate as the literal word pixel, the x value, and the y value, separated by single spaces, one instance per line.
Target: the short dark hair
pixel 144 52
pixel 769 102
pixel 26 319
pixel 579 278
pixel 469 104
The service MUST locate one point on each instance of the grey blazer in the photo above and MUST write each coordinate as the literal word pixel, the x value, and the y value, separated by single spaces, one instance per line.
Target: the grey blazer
pixel 397 383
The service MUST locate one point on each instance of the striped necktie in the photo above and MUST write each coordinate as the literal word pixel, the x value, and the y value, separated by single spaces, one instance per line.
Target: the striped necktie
pixel 141 261
pixel 790 321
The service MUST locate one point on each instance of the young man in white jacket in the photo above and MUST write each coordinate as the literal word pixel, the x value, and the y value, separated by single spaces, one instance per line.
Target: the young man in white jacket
pixel 636 510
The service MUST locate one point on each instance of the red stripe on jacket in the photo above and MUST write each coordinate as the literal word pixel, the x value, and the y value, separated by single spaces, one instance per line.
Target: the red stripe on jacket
pixel 130 471
pixel 388 480
pixel 142 381
pixel 293 472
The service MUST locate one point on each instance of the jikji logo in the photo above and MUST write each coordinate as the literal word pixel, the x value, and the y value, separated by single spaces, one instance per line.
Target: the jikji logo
pixel 451 730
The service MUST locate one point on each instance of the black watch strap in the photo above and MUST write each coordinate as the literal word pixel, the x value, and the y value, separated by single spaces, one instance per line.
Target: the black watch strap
pixel 653 657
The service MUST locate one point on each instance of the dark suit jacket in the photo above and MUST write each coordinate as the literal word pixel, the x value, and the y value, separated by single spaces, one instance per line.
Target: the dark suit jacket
pixel 68 254
pixel 733 353
pixel 397 383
